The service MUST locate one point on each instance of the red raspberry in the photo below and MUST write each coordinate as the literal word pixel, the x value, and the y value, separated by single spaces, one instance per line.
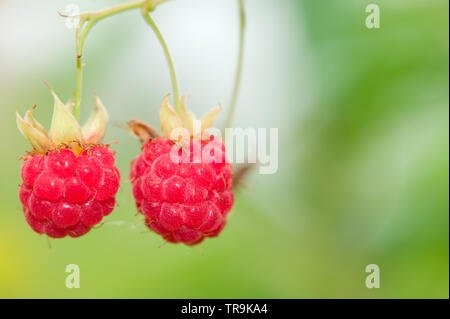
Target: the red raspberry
pixel 183 201
pixel 64 194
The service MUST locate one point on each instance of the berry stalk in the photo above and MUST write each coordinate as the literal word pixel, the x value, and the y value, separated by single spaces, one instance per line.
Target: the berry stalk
pixel 238 76
pixel 87 21
pixel 173 76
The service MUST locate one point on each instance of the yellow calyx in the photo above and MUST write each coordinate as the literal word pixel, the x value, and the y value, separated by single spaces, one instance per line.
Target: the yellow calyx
pixel 171 120
pixel 64 128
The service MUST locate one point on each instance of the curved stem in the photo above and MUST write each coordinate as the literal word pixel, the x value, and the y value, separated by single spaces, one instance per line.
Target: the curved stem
pixel 163 43
pixel 238 76
pixel 87 21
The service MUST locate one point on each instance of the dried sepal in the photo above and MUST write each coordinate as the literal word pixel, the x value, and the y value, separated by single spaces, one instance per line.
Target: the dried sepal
pixel 70 103
pixel 142 131
pixel 168 117
pixel 39 140
pixel 209 118
pixel 95 128
pixel 33 122
pixel 64 127
pixel 187 117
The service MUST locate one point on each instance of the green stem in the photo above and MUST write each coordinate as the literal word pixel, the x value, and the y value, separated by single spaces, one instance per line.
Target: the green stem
pixel 163 43
pixel 79 74
pixel 87 21
pixel 117 9
pixel 238 76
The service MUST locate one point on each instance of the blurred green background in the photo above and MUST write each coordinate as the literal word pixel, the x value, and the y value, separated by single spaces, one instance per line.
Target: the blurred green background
pixel 363 147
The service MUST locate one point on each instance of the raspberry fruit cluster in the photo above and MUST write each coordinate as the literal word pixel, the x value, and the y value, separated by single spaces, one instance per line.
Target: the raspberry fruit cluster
pixel 63 194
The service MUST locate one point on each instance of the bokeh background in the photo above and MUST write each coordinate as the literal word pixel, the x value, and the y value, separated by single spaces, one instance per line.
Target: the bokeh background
pixel 363 147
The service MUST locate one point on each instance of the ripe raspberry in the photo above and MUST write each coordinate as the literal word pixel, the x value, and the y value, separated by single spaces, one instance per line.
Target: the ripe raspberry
pixel 63 194
pixel 69 179
pixel 182 201
pixel 184 195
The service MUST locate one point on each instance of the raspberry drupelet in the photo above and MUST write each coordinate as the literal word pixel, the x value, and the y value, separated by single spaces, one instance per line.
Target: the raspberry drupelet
pixel 184 198
pixel 69 180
